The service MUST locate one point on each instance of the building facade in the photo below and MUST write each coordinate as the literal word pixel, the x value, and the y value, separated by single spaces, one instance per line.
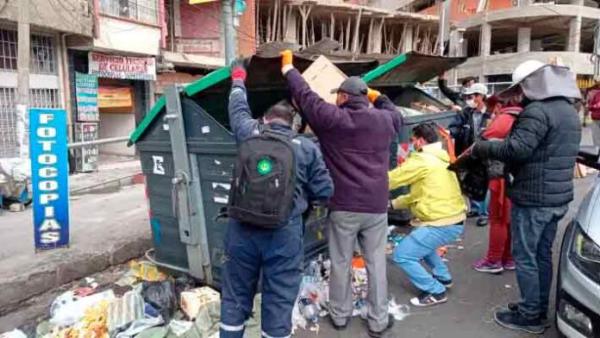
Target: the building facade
pixel 51 23
pixel 496 40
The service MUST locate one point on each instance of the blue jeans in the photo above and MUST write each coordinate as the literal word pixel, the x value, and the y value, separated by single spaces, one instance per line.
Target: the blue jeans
pixel 481 207
pixel 421 244
pixel 533 232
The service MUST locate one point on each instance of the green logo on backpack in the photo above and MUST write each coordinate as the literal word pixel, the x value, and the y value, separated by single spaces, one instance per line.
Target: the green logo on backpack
pixel 264 166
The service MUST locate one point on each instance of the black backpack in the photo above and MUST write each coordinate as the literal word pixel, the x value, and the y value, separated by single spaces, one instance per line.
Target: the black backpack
pixel 264 180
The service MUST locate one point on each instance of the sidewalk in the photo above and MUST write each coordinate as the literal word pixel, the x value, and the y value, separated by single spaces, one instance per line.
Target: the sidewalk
pixel 109 226
pixel 110 176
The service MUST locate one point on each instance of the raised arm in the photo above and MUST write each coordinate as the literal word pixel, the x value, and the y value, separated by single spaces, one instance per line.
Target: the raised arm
pixel 240 116
pixel 319 114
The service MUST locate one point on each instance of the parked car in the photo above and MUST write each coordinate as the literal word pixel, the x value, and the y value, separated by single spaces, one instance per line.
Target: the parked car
pixel 578 284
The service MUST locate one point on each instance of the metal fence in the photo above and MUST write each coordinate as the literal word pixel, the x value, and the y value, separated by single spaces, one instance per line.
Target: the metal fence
pixel 140 10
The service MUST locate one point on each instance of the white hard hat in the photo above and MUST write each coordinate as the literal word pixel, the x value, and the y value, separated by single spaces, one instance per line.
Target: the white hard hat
pixel 476 88
pixel 525 69
pixel 521 73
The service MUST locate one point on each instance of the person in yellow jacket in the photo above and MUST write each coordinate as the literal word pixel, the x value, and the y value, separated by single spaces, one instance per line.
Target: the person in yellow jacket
pixel 436 202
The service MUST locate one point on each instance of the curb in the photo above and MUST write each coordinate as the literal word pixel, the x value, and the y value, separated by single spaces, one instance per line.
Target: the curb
pixel 17 290
pixel 109 185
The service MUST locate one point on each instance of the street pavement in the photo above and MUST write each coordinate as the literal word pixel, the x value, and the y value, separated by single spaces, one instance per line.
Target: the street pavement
pixel 472 300
pixel 106 229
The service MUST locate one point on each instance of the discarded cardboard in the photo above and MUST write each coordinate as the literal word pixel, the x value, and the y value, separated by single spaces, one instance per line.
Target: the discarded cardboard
pixel 323 76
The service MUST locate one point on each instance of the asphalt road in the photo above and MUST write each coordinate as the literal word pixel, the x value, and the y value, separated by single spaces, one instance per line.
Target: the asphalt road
pixel 472 300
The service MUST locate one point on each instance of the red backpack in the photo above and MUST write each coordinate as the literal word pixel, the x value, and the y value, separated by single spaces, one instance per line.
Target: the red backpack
pixel 594 106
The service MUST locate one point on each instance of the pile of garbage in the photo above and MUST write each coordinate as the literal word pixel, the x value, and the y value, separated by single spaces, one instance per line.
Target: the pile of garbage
pixel 143 303
pixel 15 183
pixel 313 299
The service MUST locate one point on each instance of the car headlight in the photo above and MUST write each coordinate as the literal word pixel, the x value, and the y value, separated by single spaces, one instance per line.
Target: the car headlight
pixel 585 254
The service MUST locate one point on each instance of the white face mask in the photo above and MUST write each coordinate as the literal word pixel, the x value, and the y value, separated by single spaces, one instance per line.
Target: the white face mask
pixel 471 103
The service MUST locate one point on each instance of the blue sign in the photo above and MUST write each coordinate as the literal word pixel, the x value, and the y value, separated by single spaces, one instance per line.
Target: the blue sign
pixel 49 177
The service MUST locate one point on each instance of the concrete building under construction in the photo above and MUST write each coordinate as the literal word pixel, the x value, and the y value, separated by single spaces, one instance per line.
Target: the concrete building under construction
pixel 497 35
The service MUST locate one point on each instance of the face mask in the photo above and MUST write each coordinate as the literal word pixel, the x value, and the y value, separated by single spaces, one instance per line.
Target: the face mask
pixel 411 148
pixel 471 103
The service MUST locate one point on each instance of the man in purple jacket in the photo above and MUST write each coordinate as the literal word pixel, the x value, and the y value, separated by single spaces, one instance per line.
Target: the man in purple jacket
pixel 355 140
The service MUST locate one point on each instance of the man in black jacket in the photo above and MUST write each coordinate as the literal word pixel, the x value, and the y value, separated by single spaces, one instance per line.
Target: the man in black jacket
pixel 540 154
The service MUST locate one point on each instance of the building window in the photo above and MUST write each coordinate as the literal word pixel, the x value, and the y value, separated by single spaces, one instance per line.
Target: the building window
pixel 43 60
pixel 44 98
pixel 140 10
pixel 8 49
pixel 43 55
pixel 9 146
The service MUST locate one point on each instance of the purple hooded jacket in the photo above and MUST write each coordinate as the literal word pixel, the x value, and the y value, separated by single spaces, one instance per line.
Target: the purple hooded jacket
pixel 355 141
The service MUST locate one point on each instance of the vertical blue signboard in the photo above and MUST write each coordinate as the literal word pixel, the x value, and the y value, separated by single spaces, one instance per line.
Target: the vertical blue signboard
pixel 49 177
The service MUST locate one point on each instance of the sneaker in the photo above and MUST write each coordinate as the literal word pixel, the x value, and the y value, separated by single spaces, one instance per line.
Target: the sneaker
pixel 509 266
pixel 515 321
pixel 337 326
pixel 514 307
pixel 484 265
pixel 482 221
pixel 429 299
pixel 378 334
pixel 446 283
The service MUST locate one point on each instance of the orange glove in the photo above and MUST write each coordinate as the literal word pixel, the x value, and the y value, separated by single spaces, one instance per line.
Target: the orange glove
pixel 287 59
pixel 373 94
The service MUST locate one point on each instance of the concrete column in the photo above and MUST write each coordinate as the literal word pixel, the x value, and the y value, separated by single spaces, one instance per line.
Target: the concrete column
pixel 574 39
pixel 578 2
pixel 525 3
pixel 524 40
pixel 377 36
pixel 485 40
pixel 456 43
pixel 407 45
pixel 291 34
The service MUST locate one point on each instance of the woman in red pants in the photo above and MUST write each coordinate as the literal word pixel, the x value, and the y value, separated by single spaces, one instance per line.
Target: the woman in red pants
pixel 498 257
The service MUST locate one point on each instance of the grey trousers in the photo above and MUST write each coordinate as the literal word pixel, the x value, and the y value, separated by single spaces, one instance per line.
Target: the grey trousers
pixel 371 231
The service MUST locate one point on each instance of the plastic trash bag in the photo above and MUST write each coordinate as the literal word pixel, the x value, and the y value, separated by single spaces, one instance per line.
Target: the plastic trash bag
pixel 68 309
pixel 398 311
pixel 161 295
pixel 13 334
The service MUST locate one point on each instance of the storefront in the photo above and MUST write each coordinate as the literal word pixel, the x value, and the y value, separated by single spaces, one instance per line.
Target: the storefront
pixel 123 87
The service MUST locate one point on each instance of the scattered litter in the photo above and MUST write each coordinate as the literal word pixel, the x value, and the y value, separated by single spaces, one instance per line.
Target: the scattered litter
pixel 460 247
pixel 161 295
pixel 192 301
pixel 13 334
pixel 508 286
pixel 124 310
pixel 68 309
pixel 140 326
pixel 179 327
pixel 141 271
pixel 398 311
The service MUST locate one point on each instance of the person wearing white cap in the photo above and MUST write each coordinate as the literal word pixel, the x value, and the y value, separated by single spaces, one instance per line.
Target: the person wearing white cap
pixel 466 128
pixel 539 154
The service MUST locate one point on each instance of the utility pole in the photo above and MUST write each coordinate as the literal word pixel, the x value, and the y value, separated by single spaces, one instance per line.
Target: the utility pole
pixel 228 31
pixel 23 55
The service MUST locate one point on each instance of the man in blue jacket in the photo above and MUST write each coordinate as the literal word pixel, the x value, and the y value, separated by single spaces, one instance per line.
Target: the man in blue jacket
pixel 275 253
pixel 355 140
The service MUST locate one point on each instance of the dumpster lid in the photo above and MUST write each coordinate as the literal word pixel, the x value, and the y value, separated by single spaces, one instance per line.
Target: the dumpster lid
pixel 410 68
pixel 265 73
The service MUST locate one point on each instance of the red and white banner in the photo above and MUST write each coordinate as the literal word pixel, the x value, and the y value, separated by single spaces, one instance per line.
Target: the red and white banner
pixel 122 67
